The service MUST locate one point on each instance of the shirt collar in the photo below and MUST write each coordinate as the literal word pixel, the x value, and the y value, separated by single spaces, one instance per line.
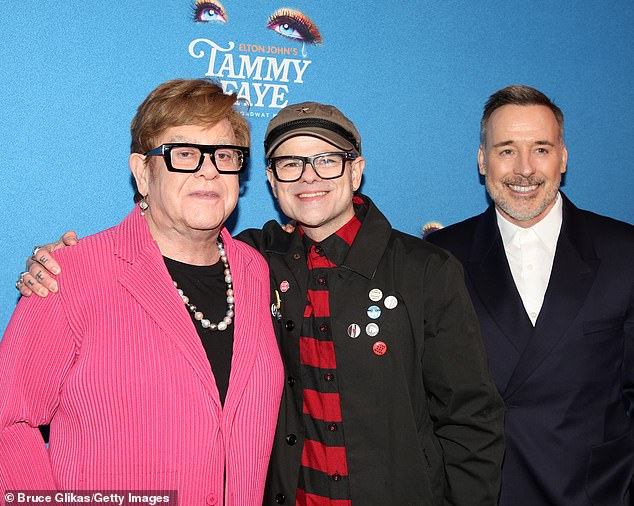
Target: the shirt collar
pixel 547 229
pixel 336 246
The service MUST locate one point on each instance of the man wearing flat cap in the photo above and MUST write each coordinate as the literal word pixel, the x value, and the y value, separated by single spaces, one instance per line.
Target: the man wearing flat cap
pixel 388 398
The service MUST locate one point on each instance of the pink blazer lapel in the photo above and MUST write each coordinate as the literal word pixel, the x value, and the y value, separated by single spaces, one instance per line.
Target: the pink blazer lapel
pixel 149 283
pixel 247 332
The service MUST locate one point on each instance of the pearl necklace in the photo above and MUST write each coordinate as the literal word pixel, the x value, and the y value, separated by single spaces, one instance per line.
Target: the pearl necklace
pixel 198 315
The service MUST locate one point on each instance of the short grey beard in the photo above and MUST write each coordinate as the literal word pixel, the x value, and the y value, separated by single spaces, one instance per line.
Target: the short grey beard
pixel 520 215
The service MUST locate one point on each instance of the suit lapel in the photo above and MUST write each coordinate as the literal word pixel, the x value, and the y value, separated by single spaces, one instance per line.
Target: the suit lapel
pixel 574 269
pixel 149 283
pixel 492 280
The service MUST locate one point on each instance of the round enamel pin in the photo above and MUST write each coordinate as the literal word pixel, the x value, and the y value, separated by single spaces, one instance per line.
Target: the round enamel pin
pixel 284 286
pixel 372 329
pixel 354 330
pixel 379 348
pixel 375 295
pixel 390 302
pixel 374 312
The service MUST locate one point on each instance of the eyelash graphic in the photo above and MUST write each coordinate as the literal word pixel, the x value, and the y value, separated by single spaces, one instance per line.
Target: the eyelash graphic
pixel 294 25
pixel 206 11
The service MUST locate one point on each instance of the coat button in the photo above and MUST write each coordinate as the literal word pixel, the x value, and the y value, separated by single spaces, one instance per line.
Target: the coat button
pixel 319 250
pixel 329 376
pixel 297 255
pixel 335 477
pixel 290 381
pixel 332 427
pixel 211 499
pixel 290 325
pixel 322 280
pixel 323 327
pixel 280 499
pixel 291 439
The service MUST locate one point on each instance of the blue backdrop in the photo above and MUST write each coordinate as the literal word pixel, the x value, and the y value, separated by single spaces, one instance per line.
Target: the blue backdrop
pixel 413 75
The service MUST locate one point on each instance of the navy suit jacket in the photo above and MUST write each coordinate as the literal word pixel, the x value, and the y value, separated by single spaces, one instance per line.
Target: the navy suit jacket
pixel 568 382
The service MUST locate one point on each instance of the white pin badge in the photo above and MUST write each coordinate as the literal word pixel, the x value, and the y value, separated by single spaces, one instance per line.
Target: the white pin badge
pixel 390 302
pixel 354 330
pixel 372 329
pixel 374 312
pixel 375 295
pixel 284 286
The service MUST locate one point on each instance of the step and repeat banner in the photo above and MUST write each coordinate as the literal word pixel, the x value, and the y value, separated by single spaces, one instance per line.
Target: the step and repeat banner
pixel 412 75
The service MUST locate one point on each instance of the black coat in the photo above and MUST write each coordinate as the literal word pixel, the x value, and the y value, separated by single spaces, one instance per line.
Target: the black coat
pixel 564 382
pixel 423 421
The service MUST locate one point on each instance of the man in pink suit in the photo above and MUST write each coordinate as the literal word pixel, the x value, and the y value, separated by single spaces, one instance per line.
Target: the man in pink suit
pixel 144 390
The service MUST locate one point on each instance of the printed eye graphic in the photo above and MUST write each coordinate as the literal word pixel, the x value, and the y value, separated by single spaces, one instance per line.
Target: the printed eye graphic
pixel 294 25
pixel 206 11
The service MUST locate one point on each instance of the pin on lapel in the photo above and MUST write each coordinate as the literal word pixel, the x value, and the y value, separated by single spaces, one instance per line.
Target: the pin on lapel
pixel 372 329
pixel 276 306
pixel 354 330
pixel 379 348
pixel 375 295
pixel 374 312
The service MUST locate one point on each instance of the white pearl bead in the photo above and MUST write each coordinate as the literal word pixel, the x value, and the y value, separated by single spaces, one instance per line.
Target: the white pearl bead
pixel 198 315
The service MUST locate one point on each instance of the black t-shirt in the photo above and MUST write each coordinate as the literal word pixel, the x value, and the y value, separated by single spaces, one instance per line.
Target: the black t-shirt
pixel 206 288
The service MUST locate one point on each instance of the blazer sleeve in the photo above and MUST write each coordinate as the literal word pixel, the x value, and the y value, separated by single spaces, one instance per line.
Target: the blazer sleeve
pixel 36 353
pixel 465 406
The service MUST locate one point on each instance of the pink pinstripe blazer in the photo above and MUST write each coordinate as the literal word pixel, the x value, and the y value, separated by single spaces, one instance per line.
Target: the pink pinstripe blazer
pixel 114 364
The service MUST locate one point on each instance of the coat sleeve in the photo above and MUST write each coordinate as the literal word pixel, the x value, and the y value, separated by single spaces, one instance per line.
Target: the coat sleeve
pixel 36 353
pixel 465 407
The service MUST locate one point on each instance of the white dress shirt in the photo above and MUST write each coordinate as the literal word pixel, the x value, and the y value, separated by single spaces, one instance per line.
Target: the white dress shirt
pixel 530 253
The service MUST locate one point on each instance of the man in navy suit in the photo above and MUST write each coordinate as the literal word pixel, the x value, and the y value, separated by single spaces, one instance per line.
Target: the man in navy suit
pixel 553 287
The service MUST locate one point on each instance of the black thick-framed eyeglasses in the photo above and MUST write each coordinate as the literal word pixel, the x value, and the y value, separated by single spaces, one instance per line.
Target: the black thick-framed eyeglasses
pixel 187 157
pixel 288 169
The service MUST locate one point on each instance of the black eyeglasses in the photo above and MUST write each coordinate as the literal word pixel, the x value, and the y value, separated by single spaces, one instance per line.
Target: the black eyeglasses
pixel 185 157
pixel 288 169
